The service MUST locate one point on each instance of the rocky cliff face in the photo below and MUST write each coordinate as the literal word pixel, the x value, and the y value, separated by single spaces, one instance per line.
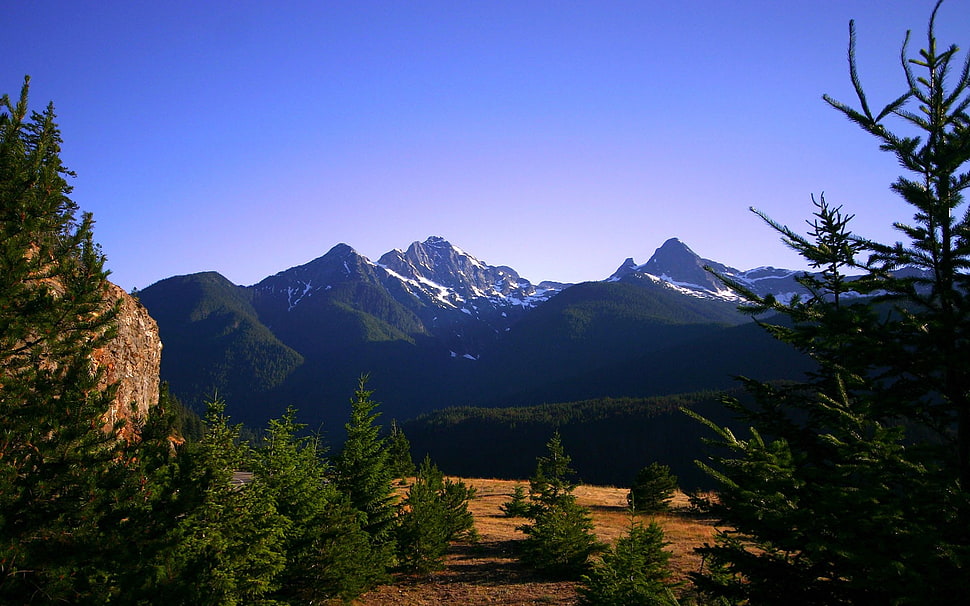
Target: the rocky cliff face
pixel 132 360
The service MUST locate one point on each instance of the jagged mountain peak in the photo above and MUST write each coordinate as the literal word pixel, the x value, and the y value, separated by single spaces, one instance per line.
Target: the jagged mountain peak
pixel 625 268
pixel 297 284
pixel 436 287
pixel 676 266
pixel 677 261
pixel 446 262
pixel 438 264
pixel 437 241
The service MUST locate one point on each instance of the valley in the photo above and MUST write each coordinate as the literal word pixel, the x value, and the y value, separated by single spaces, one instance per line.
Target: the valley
pixel 438 331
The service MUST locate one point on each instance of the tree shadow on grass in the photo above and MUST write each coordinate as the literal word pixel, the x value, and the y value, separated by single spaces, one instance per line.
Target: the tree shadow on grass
pixel 488 563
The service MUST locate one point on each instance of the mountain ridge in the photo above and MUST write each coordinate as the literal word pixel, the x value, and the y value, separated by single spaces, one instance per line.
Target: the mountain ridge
pixel 435 326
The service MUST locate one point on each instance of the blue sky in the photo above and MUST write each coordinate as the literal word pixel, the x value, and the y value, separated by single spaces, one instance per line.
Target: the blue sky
pixel 555 137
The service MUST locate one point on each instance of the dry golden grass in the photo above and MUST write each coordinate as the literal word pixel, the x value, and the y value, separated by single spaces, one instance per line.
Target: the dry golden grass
pixel 489 573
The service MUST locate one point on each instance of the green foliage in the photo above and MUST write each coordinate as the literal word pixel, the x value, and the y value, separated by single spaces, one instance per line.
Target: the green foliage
pixel 227 545
pixel 399 453
pixel 652 489
pixel 61 469
pixel 518 505
pixel 327 553
pixel 554 480
pixel 634 571
pixel 852 487
pixel 363 471
pixel 215 340
pixel 435 513
pixel 610 438
pixel 560 537
pixel 461 524
pixel 186 424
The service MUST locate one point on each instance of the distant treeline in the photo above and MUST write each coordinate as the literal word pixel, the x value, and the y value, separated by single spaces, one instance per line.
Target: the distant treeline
pixel 610 439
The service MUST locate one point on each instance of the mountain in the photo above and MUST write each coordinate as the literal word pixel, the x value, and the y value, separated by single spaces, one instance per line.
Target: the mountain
pixel 436 327
pixel 675 266
pixel 448 274
pixel 214 342
pixel 432 289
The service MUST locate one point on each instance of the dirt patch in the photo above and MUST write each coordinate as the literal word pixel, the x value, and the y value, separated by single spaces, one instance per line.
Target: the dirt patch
pixel 488 571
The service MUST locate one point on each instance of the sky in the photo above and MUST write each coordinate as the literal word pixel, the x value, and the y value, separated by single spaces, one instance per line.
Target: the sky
pixel 558 138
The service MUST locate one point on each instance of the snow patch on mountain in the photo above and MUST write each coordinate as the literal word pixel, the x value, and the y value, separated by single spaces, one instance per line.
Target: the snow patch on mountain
pixel 290 291
pixel 676 266
pixel 452 278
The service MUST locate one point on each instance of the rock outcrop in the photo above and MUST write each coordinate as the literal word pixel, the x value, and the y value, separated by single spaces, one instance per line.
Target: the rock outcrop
pixel 132 360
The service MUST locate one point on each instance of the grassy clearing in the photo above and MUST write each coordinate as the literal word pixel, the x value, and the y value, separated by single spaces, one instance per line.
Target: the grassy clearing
pixel 489 573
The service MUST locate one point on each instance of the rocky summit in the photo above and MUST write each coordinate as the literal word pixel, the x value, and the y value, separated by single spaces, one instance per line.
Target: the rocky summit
pixel 435 326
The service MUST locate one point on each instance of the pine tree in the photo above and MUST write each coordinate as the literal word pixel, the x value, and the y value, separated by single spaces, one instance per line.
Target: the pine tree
pixel 560 537
pixel 59 462
pixel 634 571
pixel 424 531
pixel 518 505
pixel 227 543
pixel 553 480
pixel 327 553
pixel 852 487
pixel 434 514
pixel 363 471
pixel 399 453
pixel 149 504
pixel 652 489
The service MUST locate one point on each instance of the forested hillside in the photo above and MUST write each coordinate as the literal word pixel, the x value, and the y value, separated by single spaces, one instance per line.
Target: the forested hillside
pixel 832 433
pixel 609 439
pixel 592 340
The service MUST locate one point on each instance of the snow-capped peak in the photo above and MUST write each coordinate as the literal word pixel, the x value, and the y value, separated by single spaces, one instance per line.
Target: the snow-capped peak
pixel 676 266
pixel 454 276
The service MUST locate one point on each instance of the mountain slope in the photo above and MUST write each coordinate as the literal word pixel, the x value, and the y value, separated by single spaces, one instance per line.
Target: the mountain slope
pixel 435 327
pixel 675 266
pixel 609 439
pixel 214 342
pixel 332 302
pixel 570 345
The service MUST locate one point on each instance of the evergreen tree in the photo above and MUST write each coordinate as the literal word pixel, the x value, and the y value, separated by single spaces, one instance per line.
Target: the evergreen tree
pixel 560 537
pixel 518 505
pixel 634 571
pixel 652 489
pixel 423 533
pixel 363 471
pixel 150 505
pixel 327 553
pixel 227 543
pixel 852 487
pixel 187 425
pixel 61 466
pixel 455 496
pixel 553 480
pixel 434 513
pixel 399 453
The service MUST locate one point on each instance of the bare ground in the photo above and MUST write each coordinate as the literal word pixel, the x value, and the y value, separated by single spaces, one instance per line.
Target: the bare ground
pixel 488 572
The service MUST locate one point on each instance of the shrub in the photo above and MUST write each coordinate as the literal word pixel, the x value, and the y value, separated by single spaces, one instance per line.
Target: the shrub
pixel 634 571
pixel 435 513
pixel 652 489
pixel 518 505
pixel 561 538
